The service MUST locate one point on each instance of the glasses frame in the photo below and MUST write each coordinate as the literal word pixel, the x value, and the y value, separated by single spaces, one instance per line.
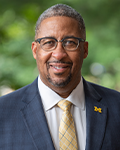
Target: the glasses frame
pixel 79 40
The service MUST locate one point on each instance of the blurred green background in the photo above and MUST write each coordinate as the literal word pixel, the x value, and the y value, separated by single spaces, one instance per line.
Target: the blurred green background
pixel 17 25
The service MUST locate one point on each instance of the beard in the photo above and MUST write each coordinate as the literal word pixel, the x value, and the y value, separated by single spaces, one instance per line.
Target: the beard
pixel 60 83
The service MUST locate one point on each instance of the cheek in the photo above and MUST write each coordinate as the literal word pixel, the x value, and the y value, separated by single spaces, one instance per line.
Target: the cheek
pixel 77 60
pixel 41 59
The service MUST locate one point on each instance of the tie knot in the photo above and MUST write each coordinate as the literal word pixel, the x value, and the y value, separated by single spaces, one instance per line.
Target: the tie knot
pixel 64 105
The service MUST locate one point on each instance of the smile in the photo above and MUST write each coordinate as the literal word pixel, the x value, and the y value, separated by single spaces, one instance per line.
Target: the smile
pixel 57 67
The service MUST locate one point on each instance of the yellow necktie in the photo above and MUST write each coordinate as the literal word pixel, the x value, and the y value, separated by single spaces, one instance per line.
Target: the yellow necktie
pixel 67 134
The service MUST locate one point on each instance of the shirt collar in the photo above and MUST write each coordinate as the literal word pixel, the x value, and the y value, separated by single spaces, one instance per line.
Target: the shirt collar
pixel 50 98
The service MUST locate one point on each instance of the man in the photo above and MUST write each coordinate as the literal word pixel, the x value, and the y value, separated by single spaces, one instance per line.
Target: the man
pixel 30 117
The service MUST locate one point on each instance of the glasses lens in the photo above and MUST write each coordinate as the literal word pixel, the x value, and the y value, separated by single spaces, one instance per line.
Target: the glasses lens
pixel 70 43
pixel 48 44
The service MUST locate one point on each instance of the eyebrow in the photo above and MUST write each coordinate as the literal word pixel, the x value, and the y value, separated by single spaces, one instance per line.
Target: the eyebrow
pixel 67 36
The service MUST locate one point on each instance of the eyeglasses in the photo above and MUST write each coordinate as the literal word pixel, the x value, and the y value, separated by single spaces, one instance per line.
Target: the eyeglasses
pixel 50 43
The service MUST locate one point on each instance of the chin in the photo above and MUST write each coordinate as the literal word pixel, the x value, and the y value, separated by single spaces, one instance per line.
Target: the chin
pixel 60 82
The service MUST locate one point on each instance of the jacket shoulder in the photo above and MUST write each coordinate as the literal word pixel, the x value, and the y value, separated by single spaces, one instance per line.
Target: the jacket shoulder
pixel 17 95
pixel 108 97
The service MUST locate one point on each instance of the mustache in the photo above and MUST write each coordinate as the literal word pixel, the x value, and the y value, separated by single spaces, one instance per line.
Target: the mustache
pixel 59 61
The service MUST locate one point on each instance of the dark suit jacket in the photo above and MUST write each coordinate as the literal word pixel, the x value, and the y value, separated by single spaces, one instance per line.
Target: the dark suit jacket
pixel 23 124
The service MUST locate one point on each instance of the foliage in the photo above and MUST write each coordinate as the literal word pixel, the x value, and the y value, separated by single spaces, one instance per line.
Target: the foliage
pixel 17 23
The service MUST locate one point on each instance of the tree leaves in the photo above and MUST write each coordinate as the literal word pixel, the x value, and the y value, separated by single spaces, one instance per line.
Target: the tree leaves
pixel 17 25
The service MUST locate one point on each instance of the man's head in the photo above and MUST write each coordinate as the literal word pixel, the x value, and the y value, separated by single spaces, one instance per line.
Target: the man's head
pixel 59 48
pixel 61 10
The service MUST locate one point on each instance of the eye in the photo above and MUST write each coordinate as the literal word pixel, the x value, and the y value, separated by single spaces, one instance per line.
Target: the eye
pixel 69 42
pixel 48 42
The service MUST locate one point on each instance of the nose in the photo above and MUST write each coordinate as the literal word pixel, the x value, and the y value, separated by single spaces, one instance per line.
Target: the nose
pixel 59 52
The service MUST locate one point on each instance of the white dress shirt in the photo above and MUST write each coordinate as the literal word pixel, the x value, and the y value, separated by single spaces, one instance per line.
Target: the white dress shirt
pixel 54 113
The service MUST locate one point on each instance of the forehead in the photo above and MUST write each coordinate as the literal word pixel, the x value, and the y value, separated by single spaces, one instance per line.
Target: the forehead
pixel 58 25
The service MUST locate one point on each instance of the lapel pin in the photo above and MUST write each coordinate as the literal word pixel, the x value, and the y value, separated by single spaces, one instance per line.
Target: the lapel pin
pixel 97 109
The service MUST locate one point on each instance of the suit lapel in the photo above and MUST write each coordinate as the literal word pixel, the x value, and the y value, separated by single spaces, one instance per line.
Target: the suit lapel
pixel 96 117
pixel 35 120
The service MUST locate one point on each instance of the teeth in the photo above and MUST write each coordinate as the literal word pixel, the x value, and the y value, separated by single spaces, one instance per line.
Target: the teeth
pixel 56 67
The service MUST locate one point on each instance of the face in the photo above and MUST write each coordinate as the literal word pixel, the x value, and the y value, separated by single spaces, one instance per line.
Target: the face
pixel 60 69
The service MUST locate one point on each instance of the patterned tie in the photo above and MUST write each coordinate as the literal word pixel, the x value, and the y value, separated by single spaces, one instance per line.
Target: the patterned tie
pixel 67 135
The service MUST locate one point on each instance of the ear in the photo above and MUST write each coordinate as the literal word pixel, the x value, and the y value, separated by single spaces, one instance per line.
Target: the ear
pixel 85 49
pixel 34 49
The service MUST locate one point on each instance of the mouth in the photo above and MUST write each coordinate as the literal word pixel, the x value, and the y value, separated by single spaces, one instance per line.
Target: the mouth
pixel 59 67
